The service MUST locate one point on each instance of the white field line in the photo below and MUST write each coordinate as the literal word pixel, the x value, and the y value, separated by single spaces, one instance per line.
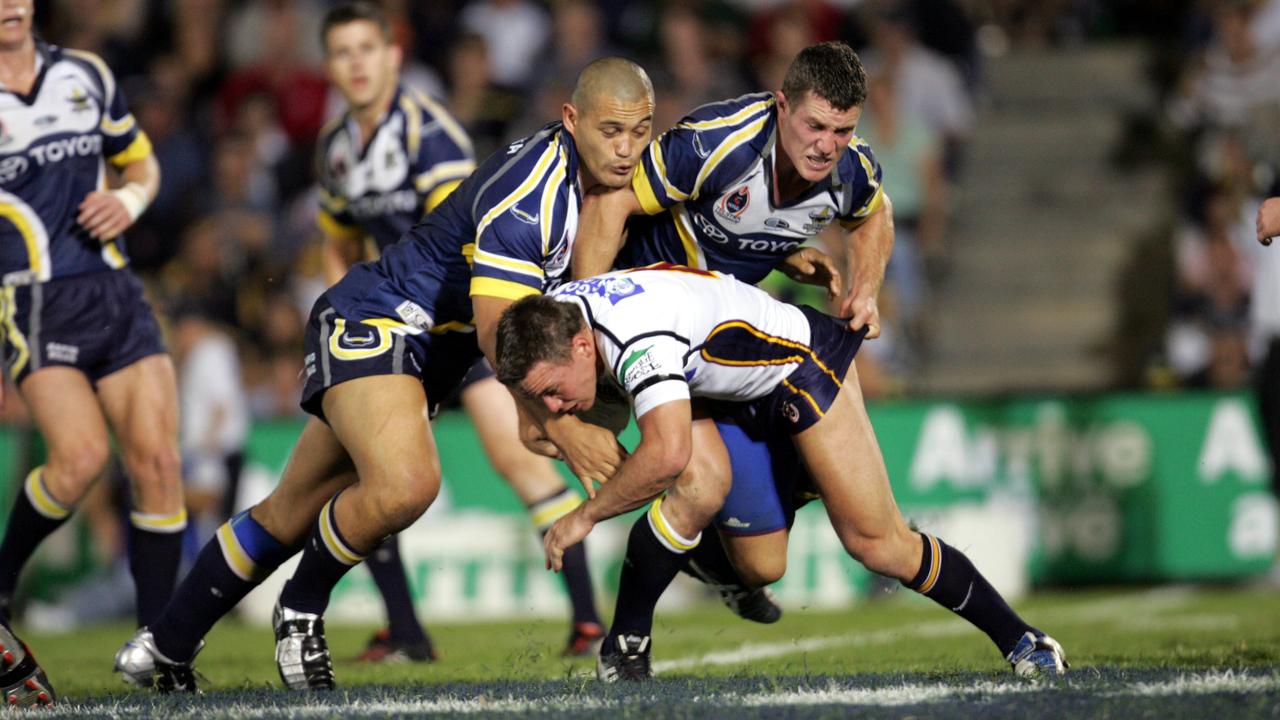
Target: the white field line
pixel 1124 608
pixel 891 696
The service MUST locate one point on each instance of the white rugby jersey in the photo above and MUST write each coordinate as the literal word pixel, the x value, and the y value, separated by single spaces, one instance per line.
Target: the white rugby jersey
pixel 417 154
pixel 707 186
pixel 53 142
pixel 671 333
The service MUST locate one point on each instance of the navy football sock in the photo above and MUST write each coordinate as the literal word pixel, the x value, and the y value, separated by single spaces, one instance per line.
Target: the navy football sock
pixel 34 517
pixel 948 578
pixel 388 573
pixel 654 556
pixel 155 549
pixel 325 559
pixel 240 555
pixel 575 573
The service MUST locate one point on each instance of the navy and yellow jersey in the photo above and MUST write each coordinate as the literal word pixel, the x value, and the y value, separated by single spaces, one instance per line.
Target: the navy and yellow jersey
pixel 54 145
pixel 505 232
pixel 707 185
pixel 417 155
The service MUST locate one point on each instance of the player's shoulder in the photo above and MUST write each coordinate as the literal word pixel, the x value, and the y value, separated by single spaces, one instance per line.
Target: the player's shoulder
pixel 859 161
pixel 429 116
pixel 730 115
pixel 526 161
pixel 89 63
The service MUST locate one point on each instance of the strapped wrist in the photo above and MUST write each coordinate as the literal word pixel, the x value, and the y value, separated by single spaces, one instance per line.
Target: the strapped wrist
pixel 134 198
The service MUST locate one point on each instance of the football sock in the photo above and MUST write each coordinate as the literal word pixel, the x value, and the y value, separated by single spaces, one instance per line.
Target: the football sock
pixel 325 559
pixel 655 553
pixel 389 575
pixel 241 554
pixel 948 578
pixel 155 549
pixel 576 575
pixel 34 517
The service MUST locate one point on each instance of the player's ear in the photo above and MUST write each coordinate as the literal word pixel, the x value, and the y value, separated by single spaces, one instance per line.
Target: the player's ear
pixel 783 104
pixel 569 116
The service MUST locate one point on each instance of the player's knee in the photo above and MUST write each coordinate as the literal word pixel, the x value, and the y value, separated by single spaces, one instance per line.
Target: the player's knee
pixel 155 468
pixel 73 469
pixel 887 553
pixel 400 502
pixel 700 491
pixel 761 571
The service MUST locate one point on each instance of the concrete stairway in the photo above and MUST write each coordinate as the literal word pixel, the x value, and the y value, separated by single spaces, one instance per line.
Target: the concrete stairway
pixel 1040 228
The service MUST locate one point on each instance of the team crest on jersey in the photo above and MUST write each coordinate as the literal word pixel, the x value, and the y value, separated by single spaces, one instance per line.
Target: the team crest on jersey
pixel 734 204
pixel 79 99
pixel 820 219
pixel 613 289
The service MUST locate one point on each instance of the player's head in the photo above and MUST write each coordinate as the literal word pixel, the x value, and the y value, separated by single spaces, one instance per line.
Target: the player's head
pixel 15 23
pixel 819 106
pixel 360 58
pixel 610 116
pixel 546 351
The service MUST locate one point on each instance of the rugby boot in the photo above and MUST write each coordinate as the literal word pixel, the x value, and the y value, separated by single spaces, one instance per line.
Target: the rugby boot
pixel 1038 655
pixel 140 663
pixel 627 659
pixel 302 654
pixel 22 680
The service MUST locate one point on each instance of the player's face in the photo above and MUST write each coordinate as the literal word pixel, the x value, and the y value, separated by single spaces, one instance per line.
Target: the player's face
pixel 813 134
pixel 15 23
pixel 610 135
pixel 360 62
pixel 564 388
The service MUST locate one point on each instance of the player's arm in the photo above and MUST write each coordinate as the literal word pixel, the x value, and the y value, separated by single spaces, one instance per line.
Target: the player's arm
pixel 107 213
pixel 666 444
pixel 869 246
pixel 811 266
pixel 600 230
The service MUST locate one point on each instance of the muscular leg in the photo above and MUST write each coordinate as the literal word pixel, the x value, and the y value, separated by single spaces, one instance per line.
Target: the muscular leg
pixel 381 421
pixel 67 414
pixel 661 538
pixel 841 453
pixel 141 404
pixel 534 479
pixel 251 545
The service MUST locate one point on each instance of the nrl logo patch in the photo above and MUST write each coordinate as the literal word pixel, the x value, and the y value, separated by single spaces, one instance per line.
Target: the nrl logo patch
pixel 734 204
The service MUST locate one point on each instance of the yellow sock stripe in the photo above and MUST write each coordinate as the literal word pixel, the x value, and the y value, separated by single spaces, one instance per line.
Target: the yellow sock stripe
pixel 174 522
pixel 332 542
pixel 237 559
pixel 935 565
pixel 40 498
pixel 545 513
pixel 669 538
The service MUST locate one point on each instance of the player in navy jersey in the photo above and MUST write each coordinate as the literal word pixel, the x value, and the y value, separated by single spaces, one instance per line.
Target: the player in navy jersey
pixel 80 341
pixel 384 346
pixel 394 155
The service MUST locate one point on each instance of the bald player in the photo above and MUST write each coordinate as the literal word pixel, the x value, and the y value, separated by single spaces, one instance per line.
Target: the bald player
pixel 383 347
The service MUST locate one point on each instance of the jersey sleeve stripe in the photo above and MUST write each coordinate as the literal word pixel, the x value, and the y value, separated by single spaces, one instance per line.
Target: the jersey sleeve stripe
pixel 525 188
pixel 443 171
pixel 872 205
pixel 549 192
pixel 437 196
pixel 412 126
pixel 730 120
pixel 505 289
pixel 731 143
pixel 693 255
pixel 139 149
pixel 507 264
pixel 644 191
pixel 116 128
pixel 673 193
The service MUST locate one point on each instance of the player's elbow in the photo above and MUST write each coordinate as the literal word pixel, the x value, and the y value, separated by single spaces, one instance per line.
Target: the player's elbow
pixel 673 458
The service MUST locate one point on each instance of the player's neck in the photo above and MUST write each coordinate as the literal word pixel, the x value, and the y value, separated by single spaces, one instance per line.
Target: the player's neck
pixel 787 181
pixel 368 117
pixel 18 66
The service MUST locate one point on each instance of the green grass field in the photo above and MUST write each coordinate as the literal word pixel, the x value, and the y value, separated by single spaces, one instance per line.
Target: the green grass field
pixel 1191 652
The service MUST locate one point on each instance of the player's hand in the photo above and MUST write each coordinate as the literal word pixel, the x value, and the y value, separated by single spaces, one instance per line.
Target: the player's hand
pixel 860 307
pixel 568 531
pixel 592 453
pixel 104 215
pixel 532 437
pixel 1268 222
pixel 811 266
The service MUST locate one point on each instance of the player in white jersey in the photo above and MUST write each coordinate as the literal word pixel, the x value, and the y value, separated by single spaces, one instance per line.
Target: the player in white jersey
pixel 393 156
pixel 682 343
pixel 79 339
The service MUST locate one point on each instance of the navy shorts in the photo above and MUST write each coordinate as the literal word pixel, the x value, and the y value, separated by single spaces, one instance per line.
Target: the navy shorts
pixel 338 350
pixel 97 323
pixel 769 479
